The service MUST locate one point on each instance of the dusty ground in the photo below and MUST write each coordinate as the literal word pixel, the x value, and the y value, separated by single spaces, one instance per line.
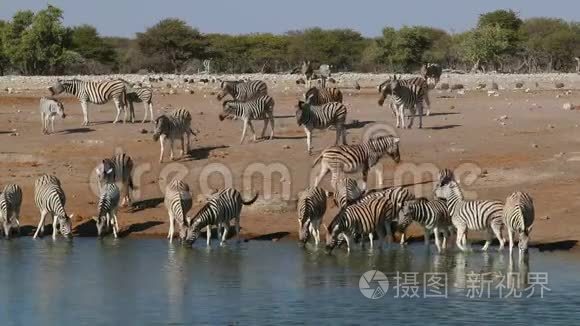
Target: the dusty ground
pixel 536 149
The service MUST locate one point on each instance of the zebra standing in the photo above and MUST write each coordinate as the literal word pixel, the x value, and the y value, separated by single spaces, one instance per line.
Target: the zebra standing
pixel 140 94
pixel 322 117
pixel 518 216
pixel 178 202
pixel 431 71
pixel 243 90
pixel 10 202
pixel 347 191
pixel 320 96
pixel 225 205
pixel 107 209
pixel 98 93
pixel 261 108
pixel 420 86
pixel 432 215
pixel 173 126
pixel 351 158
pixel 117 169
pixel 311 209
pixel 50 199
pixel 472 215
pixel 308 72
pixel 406 97
pixel 50 108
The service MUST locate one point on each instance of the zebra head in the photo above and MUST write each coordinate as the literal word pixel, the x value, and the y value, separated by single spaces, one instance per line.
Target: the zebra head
pixel 334 230
pixel 162 125
pixel 228 108
pixel 190 233
pixel 524 239
pixel 62 86
pixel 405 213
pixel 227 87
pixel 388 145
pixel 445 176
pixel 65 226
pixel 385 90
pixel 102 224
pixel 448 190
pixel 304 230
pixel 106 171
pixel 300 108
pixel 310 94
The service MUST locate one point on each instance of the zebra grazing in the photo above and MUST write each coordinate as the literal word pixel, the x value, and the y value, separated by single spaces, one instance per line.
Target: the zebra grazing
pixel 431 71
pixel 173 126
pixel 96 92
pixel 225 205
pixel 50 199
pixel 518 216
pixel 472 215
pixel 117 169
pixel 406 97
pixel 364 218
pixel 243 90
pixel 178 202
pixel 322 117
pixel 347 191
pixel 320 96
pixel 10 202
pixel 311 209
pixel 50 108
pixel 261 108
pixel 420 86
pixel 432 215
pixel 139 94
pixel 351 158
pixel 107 210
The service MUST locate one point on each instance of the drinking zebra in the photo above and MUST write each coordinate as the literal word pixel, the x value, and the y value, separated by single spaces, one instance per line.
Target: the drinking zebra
pixel 139 94
pixel 242 90
pixel 107 210
pixel 322 117
pixel 261 108
pixel 421 87
pixel 50 199
pixel 10 202
pixel 518 216
pixel 99 92
pixel 225 205
pixel 117 169
pixel 178 202
pixel 406 98
pixel 50 108
pixel 431 71
pixel 173 126
pixel 472 215
pixel 347 191
pixel 432 215
pixel 311 209
pixel 351 158
pixel 319 96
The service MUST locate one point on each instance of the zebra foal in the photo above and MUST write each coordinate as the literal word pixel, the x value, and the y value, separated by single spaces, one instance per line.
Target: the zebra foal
pixel 311 209
pixel 322 117
pixel 139 94
pixel 107 210
pixel 518 216
pixel 178 202
pixel 261 108
pixel 10 202
pixel 175 125
pixel 50 108
pixel 406 98
pixel 117 169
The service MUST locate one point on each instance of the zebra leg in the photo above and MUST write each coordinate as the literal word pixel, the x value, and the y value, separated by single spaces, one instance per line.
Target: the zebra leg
pixel 323 171
pixel 371 237
pixel 85 108
pixel 420 112
pixel 42 122
pixel 244 131
pixel 171 156
pixel 52 125
pixel 437 241
pixel 496 228
pixel 252 129
pixel 40 224
pixel 459 239
pixel 151 112
pixel 427 102
pixel 343 132
pixel 162 143
pixel 402 240
pixel 488 235
pixel 171 228
pixel 316 231
pixel 411 116
pixel 54 227
pixel 208 234
pixel 237 229
pixel 118 107
pixel 308 140
pixel 271 126
pixel 511 238
pixel 263 134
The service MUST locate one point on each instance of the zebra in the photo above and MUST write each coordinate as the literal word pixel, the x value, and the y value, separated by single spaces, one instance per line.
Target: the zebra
pixel 10 202
pixel 320 96
pixel 139 94
pixel 347 191
pixel 364 218
pixel 432 215
pixel 223 206
pixel 50 199
pixel 406 97
pixel 472 215
pixel 178 202
pixel 421 87
pixel 322 117
pixel 351 158
pixel 261 108
pixel 173 126
pixel 117 169
pixel 309 73
pixel 311 209
pixel 243 90
pixel 50 108
pixel 96 92
pixel 107 209
pixel 431 71
pixel 518 216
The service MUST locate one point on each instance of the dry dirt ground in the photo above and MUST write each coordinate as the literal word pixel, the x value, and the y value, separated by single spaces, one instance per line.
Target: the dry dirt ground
pixel 535 148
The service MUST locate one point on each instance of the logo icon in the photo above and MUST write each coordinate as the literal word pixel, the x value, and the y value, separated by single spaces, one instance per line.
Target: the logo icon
pixel 373 284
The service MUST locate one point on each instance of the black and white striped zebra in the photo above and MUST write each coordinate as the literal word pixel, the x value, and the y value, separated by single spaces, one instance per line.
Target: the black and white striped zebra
pixel 261 108
pixel 311 209
pixel 10 202
pixel 322 117
pixel 518 216
pixel 352 158
pixel 243 90
pixel 320 96
pixel 50 200
pixel 472 215
pixel 419 85
pixel 406 98
pixel 432 215
pixel 96 92
pixel 178 202
pixel 347 191
pixel 107 207
pixel 222 207
pixel 431 72
pixel 50 108
pixel 174 125
pixel 140 94
pixel 117 169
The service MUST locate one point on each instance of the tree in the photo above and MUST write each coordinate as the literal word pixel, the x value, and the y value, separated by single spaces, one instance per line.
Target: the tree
pixel 506 19
pixel 485 45
pixel 3 58
pixel 85 40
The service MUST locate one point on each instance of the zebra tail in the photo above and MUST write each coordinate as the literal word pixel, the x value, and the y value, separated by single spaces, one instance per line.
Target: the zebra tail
pixel 251 201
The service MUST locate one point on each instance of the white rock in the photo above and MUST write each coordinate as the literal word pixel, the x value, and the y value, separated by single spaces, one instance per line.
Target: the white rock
pixel 568 106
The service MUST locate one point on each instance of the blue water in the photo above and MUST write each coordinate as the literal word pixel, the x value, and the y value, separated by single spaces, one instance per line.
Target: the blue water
pixel 143 282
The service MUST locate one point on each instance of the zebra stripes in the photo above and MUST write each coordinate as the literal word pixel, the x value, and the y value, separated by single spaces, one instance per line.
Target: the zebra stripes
pixel 321 117
pixel 406 97
pixel 351 158
pixel 107 210
pixel 10 202
pixel 140 94
pixel 173 126
pixel 311 209
pixel 117 169
pixel 225 205
pixel 261 108
pixel 420 86
pixel 50 199
pixel 347 191
pixel 99 92
pixel 243 90
pixel 320 96
pixel 178 202
pixel 50 108
pixel 432 215
pixel 518 216
pixel 431 72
